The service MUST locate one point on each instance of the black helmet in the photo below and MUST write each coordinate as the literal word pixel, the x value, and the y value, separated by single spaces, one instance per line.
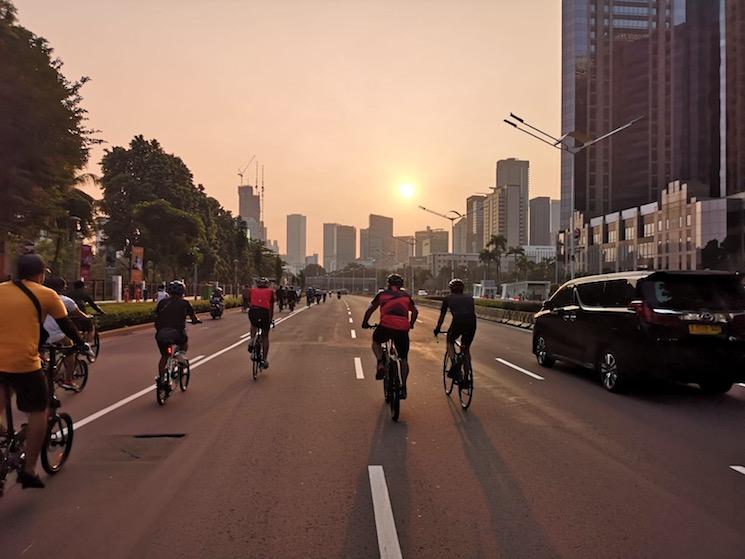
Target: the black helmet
pixel 262 282
pixel 456 285
pixel 176 288
pixel 395 279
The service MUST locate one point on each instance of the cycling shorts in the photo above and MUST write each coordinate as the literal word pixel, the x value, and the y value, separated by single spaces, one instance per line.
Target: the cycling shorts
pixel 259 318
pixel 30 389
pixel 463 329
pixel 400 339
pixel 170 336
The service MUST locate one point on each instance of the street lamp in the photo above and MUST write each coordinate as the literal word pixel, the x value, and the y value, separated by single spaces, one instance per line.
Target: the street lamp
pixel 412 245
pixel 579 143
pixel 457 216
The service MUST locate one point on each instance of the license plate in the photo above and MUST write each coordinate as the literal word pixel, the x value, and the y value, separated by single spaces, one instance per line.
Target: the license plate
pixel 704 329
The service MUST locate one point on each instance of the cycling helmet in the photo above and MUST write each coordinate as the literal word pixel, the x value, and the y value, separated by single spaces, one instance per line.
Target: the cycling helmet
pixel 395 279
pixel 218 289
pixel 176 288
pixel 262 282
pixel 456 285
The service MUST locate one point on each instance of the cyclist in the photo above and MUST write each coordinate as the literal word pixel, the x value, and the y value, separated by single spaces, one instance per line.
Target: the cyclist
pixel 170 322
pixel 81 296
pixel 244 296
pixel 281 297
pixel 291 296
pixel 323 294
pixel 463 325
pixel 318 296
pixel 261 314
pixel 161 293
pixel 395 305
pixel 309 296
pixel 218 298
pixel 23 306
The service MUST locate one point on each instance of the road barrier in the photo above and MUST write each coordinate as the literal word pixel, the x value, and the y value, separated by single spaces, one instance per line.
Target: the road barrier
pixel 520 319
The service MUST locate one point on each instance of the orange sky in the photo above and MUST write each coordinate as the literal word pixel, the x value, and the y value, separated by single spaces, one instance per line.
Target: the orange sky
pixel 341 100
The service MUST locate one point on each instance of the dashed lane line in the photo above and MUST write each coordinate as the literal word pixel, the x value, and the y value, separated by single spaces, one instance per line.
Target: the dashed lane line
pixel 350 320
pixel 354 335
pixel 519 369
pixel 359 373
pixel 384 523
pixel 123 402
pixel 739 469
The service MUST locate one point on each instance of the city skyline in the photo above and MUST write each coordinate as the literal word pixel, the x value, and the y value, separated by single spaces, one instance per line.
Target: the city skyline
pixel 364 108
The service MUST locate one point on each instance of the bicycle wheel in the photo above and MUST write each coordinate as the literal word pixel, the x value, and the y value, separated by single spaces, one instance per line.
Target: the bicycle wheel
pixel 161 387
pixel 257 354
pixel 465 386
pixel 184 374
pixel 57 443
pixel 447 383
pixel 395 393
pixel 80 374
pixel 95 346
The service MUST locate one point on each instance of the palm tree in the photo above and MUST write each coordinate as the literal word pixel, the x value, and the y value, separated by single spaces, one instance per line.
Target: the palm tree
pixel 516 251
pixel 497 245
pixel 486 257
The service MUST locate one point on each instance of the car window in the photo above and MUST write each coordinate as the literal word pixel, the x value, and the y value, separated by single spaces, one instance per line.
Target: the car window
pixel 724 293
pixel 563 297
pixel 618 293
pixel 590 294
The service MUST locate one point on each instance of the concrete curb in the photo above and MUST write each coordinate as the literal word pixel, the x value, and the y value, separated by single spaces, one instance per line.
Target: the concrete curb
pixel 517 319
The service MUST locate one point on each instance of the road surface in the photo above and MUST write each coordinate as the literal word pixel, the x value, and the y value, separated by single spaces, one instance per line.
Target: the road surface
pixel 306 462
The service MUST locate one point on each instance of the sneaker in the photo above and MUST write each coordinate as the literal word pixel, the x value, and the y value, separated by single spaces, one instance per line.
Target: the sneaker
pixel 265 364
pixel 380 372
pixel 28 480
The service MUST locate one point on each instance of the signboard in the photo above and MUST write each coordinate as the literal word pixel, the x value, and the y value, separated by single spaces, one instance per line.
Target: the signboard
pixel 137 260
pixel 86 262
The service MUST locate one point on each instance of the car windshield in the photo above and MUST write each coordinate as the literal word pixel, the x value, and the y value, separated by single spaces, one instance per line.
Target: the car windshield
pixel 724 293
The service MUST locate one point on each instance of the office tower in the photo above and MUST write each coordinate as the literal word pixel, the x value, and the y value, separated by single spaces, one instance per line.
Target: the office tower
pixel 296 231
pixel 513 179
pixel 338 246
pixel 505 214
pixel 475 223
pixel 460 236
pixel 540 221
pixel 733 99
pixel 380 241
pixel 404 249
pixel 364 244
pixel 431 241
pixel 249 210
pixel 555 219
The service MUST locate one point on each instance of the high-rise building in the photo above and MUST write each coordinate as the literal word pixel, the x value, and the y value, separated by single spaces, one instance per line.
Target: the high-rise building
pixel 505 214
pixel 475 223
pixel 680 65
pixel 338 246
pixel 555 219
pixel 460 236
pixel 249 210
pixel 381 241
pixel 296 237
pixel 432 240
pixel 404 249
pixel 540 221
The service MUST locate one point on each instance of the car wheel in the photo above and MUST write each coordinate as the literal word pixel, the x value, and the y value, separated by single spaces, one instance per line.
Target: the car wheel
pixel 611 376
pixel 715 386
pixel 544 358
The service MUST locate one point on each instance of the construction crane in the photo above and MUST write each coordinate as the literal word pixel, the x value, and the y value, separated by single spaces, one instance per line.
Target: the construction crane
pixel 245 167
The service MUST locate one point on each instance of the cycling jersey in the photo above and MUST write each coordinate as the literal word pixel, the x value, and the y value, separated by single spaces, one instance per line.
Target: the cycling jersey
pixel 261 298
pixel 395 306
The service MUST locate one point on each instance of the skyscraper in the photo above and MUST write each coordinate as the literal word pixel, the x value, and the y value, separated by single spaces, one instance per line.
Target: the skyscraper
pixel 380 241
pixel 460 236
pixel 430 241
pixel 338 246
pixel 249 210
pixel 475 223
pixel 540 221
pixel 404 248
pixel 296 248
pixel 505 213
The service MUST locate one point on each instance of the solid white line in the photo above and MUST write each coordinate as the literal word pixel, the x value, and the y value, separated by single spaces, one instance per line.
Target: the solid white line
pixel 520 369
pixel 384 523
pixel 246 335
pixel 739 469
pixel 195 359
pixel 354 334
pixel 350 320
pixel 86 420
pixel 358 368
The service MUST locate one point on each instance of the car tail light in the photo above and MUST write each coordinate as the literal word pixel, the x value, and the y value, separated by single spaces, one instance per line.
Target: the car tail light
pixel 651 316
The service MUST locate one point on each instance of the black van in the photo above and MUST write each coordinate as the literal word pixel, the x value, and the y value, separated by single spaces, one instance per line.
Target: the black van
pixel 682 326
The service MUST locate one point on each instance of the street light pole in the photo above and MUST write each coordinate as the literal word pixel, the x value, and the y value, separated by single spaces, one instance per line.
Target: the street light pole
pixel 577 145
pixel 452 219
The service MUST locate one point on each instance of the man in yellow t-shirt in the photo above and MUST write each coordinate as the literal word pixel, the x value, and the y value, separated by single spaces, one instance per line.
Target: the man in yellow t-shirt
pixel 20 363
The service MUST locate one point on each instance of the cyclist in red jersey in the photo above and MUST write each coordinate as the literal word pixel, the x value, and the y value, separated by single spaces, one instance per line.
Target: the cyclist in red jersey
pixel 395 305
pixel 261 314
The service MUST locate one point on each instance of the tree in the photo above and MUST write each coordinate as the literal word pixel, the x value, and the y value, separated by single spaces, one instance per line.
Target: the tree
pixel 516 252
pixel 497 245
pixel 43 138
pixel 486 257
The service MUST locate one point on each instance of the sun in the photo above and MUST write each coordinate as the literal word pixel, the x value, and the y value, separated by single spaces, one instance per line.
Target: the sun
pixel 406 190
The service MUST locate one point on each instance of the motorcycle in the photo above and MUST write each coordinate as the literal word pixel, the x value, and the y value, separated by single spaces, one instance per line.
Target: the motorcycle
pixel 216 309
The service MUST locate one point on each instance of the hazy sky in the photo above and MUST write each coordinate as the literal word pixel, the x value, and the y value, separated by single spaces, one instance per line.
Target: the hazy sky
pixel 341 101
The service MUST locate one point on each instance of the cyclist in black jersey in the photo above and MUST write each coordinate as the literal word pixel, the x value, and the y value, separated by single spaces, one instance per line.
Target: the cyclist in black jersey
pixel 463 326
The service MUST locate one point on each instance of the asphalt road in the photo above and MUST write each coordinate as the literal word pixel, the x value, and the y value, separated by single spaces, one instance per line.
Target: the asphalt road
pixel 306 462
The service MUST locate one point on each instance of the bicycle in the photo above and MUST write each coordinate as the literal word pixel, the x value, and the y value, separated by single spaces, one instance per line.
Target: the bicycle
pixel 95 342
pixel 392 379
pixel 461 364
pixel 177 367
pixel 57 441
pixel 257 354
pixel 54 357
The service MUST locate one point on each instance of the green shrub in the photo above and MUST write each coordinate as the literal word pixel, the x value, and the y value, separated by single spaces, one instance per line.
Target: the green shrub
pixel 119 315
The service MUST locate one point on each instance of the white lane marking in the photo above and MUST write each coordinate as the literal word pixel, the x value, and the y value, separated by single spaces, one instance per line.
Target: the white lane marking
pixel 419 320
pixel 384 524
pixel 358 368
pixel 739 469
pixel 354 334
pixel 195 359
pixel 519 369
pixel 246 335
pixel 350 320
pixel 349 313
pixel 86 420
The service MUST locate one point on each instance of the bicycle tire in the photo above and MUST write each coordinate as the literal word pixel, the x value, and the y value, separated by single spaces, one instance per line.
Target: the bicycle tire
pixel 257 354
pixel 161 388
pixel 395 391
pixel 95 347
pixel 57 443
pixel 80 374
pixel 447 383
pixel 184 375
pixel 465 386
